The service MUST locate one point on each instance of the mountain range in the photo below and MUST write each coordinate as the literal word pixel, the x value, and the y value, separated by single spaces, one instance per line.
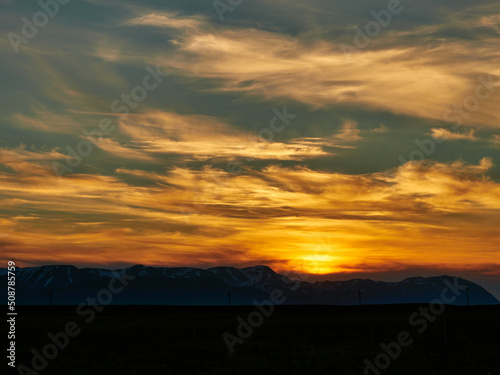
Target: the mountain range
pixel 144 285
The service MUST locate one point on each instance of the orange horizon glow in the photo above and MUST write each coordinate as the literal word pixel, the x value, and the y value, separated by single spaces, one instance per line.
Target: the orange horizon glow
pixel 294 219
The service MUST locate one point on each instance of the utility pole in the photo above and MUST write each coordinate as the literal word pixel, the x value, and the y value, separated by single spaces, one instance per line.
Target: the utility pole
pixel 467 290
pixel 359 296
pixel 445 336
pixel 229 296
pixel 50 297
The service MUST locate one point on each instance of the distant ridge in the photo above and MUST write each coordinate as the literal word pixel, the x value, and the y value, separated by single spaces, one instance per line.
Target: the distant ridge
pixel 194 286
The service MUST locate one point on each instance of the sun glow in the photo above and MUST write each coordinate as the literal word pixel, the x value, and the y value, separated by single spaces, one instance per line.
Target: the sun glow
pixel 320 263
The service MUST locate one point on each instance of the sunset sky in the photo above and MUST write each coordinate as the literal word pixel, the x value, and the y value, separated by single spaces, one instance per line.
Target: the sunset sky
pixel 280 136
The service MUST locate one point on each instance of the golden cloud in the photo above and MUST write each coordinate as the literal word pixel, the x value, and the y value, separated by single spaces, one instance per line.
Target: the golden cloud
pixel 433 212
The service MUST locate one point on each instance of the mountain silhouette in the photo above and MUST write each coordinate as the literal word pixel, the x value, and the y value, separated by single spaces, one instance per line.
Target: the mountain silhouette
pixel 194 286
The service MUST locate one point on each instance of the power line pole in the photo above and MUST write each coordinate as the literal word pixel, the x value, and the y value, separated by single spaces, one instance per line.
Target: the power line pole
pixel 229 296
pixel 50 297
pixel 467 290
pixel 359 296
pixel 445 336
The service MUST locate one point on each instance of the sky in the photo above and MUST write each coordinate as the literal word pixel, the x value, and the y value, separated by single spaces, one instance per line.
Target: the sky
pixel 334 138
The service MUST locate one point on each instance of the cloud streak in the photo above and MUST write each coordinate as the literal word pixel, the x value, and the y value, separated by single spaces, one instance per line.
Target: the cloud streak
pixel 378 218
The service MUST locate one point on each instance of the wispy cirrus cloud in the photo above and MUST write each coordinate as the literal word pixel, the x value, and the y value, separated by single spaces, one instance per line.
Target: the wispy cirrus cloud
pixel 275 65
pixel 47 121
pixel 441 133
pixel 167 20
pixel 496 139
pixel 381 129
pixel 203 137
pixel 492 21
pixel 122 151
pixel 350 132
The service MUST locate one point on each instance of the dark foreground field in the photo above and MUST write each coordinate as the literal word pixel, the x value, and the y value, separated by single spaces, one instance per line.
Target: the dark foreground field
pixel 293 340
